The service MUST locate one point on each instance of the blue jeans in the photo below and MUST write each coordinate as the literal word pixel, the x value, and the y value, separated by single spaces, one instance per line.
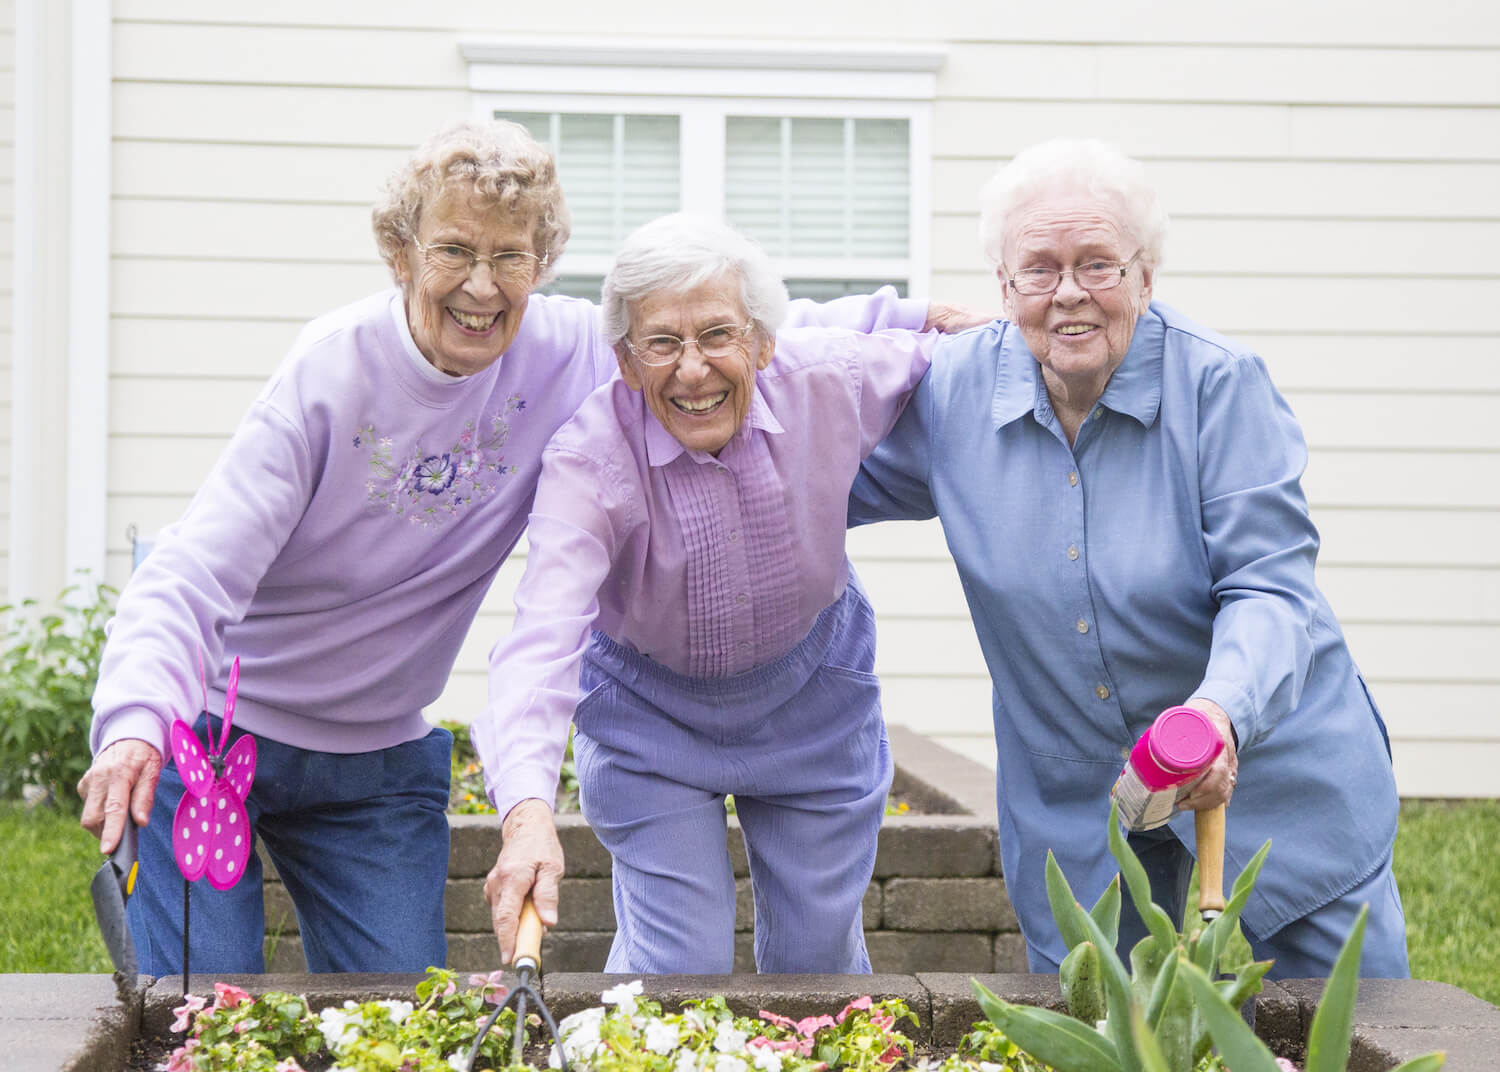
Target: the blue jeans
pixel 360 841
pixel 1305 948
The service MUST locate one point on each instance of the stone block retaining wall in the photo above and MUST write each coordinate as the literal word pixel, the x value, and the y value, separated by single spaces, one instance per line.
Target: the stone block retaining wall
pixel 937 901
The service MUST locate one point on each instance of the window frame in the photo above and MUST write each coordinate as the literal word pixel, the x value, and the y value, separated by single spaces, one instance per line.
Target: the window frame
pixel 703 83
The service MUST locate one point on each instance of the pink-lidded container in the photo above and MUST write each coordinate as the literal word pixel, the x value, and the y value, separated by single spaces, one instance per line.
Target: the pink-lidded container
pixel 1179 746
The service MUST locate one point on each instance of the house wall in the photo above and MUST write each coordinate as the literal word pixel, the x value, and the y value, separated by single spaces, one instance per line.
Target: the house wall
pixel 7 230
pixel 1333 172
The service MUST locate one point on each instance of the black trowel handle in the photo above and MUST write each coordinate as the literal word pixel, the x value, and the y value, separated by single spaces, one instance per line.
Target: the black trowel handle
pixel 124 859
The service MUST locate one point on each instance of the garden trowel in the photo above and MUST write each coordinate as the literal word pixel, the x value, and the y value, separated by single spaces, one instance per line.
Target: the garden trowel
pixel 112 886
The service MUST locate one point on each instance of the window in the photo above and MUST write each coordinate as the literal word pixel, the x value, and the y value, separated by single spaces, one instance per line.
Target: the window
pixel 821 156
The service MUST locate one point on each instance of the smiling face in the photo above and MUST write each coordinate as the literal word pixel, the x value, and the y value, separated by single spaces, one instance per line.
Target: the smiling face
pixel 463 321
pixel 1078 336
pixel 701 401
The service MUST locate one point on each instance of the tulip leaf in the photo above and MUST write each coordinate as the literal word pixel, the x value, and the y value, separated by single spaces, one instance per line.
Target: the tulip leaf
pixel 1236 1043
pixel 1082 983
pixel 1052 1037
pixel 1064 905
pixel 1428 1062
pixel 1106 911
pixel 1157 921
pixel 1333 1023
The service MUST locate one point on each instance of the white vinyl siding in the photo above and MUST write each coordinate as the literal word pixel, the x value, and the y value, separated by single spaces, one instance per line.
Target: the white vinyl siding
pixel 7 267
pixel 1332 176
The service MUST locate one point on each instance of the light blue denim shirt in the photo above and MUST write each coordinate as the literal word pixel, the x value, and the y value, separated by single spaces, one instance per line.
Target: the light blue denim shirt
pixel 1167 554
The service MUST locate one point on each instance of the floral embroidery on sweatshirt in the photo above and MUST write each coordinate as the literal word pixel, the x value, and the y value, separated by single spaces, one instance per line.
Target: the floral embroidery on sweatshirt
pixel 428 487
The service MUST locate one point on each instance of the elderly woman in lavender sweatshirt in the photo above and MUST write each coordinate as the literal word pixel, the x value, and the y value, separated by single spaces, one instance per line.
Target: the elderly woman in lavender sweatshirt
pixel 340 548
pixel 687 578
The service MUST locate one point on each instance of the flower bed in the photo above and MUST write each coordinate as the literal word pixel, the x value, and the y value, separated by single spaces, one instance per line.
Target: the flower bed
pixel 664 1024
pixel 78 1023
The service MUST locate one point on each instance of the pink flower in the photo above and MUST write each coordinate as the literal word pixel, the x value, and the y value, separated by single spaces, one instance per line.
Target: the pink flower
pixel 191 1003
pixel 490 986
pixel 228 997
pixel 811 1025
pixel 449 990
pixel 1284 1065
pixel 182 1057
pixel 861 1003
pixel 779 1021
pixel 289 1065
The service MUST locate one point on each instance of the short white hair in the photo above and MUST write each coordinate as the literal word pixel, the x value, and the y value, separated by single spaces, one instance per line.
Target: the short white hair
pixel 679 252
pixel 1073 165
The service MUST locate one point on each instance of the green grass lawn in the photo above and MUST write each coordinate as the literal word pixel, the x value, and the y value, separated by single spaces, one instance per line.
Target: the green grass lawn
pixel 1446 864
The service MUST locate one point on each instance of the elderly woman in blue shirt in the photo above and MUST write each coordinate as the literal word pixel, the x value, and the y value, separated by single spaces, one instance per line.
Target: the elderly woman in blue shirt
pixel 1120 489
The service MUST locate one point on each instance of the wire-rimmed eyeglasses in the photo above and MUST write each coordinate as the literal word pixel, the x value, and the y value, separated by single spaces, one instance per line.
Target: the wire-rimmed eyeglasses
pixel 1095 275
pixel 508 263
pixel 721 340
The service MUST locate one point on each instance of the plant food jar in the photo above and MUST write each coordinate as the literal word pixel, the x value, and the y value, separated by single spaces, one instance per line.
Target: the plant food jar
pixel 1179 746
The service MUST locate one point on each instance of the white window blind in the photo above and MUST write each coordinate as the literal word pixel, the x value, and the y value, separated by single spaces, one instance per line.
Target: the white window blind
pixel 820 188
pixel 618 171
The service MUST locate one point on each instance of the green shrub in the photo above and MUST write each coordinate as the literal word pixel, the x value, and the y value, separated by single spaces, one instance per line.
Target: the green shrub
pixel 47 674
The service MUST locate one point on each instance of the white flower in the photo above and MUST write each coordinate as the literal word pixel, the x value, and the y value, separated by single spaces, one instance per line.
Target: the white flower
pixel 340 1027
pixel 729 1040
pixel 624 996
pixel 662 1037
pixel 399 1010
pixel 767 1059
pixel 730 1064
pixel 990 1066
pixel 694 1019
pixel 580 1035
pixel 687 1061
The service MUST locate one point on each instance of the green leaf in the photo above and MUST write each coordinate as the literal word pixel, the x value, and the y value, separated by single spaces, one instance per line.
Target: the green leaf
pixel 1333 1023
pixel 1139 886
pixel 1160 989
pixel 1428 1062
pixel 1082 983
pixel 1065 906
pixel 1241 1050
pixel 1118 995
pixel 1059 1040
pixel 1106 911
pixel 1228 923
pixel 1147 1051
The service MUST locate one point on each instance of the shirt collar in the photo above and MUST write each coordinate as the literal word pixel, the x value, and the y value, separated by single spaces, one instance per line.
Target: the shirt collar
pixel 663 449
pixel 1134 389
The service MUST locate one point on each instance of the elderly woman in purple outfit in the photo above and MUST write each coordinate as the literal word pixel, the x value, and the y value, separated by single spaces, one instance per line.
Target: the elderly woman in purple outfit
pixel 688 580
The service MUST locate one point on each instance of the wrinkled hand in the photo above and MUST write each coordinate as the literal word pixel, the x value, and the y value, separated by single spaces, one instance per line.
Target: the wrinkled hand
pixel 1216 785
pixel 950 318
pixel 123 775
pixel 531 860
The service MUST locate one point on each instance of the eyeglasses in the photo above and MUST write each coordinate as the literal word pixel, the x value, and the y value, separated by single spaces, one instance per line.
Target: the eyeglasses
pixel 718 341
pixel 1095 275
pixel 510 264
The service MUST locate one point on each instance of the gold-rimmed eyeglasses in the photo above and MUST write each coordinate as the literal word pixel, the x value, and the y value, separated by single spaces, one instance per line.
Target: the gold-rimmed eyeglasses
pixel 721 340
pixel 1095 275
pixel 508 263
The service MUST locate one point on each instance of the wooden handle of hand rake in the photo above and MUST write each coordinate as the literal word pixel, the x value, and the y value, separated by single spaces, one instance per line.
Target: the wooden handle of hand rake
pixel 528 936
pixel 1208 826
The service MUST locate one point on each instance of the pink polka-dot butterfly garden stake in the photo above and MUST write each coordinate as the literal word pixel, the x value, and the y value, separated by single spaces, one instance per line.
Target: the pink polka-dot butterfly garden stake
pixel 211 829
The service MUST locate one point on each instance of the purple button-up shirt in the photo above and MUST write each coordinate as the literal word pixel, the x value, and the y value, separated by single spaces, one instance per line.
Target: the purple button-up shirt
pixel 709 565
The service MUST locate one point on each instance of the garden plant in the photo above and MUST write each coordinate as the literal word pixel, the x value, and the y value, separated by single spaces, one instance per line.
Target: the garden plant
pixel 1168 1010
pixel 47 672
